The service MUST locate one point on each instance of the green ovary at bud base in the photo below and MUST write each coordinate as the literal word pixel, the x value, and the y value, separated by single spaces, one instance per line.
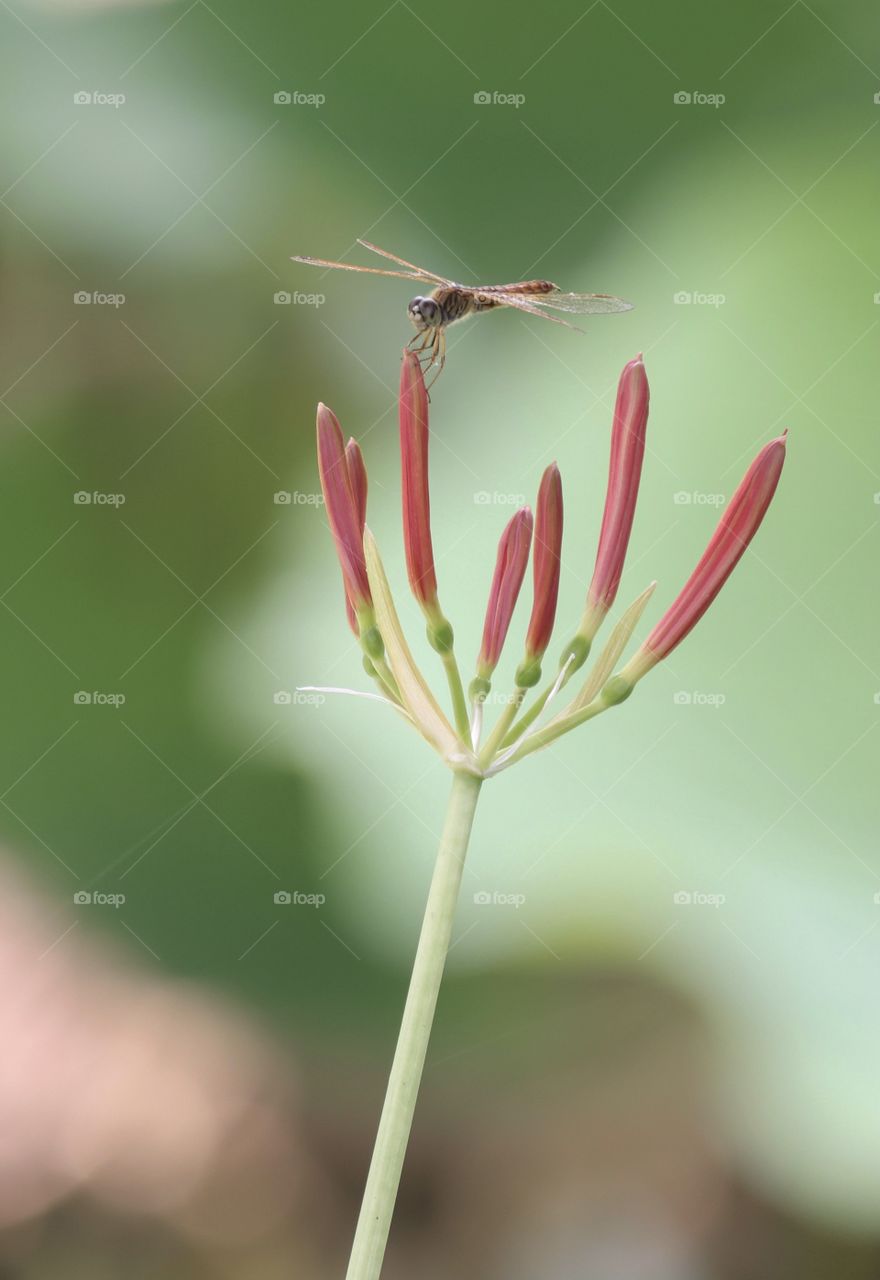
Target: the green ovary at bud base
pixel 372 643
pixel 528 673
pixel 575 653
pixel 440 634
pixel 617 690
pixel 479 688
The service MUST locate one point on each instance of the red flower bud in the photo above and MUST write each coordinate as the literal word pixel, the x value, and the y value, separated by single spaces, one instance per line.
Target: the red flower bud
pixel 545 561
pixel 357 474
pixel 413 407
pixel 510 568
pixel 345 503
pixel 735 530
pixel 624 473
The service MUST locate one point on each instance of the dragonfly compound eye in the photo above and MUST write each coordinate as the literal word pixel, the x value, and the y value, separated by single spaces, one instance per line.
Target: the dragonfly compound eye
pixel 425 311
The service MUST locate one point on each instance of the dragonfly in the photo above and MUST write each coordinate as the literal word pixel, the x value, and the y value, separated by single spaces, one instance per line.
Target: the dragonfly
pixel 449 301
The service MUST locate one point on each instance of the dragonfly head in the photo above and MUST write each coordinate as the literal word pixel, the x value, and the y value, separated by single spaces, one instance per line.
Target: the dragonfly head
pixel 425 313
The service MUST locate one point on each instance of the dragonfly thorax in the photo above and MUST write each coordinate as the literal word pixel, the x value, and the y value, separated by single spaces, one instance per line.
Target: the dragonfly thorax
pixel 426 313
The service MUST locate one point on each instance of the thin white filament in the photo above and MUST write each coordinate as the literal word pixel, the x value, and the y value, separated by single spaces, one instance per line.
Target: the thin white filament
pixel 352 693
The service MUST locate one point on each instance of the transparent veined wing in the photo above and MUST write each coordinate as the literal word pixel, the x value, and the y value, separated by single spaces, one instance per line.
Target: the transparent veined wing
pixel 527 303
pixel 575 304
pixel 370 271
pixel 420 271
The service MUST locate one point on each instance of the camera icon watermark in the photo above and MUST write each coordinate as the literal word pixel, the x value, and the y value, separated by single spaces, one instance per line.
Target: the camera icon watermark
pixel 95 698
pixel 284 298
pixel 294 98
pixel 494 98
pixel 97 498
pixel 483 498
pixel 877 98
pixel 697 698
pixel 499 698
pixel 696 898
pixel 483 898
pixel 295 898
pixel 96 98
pixel 695 298
pixel 297 498
pixel 298 698
pixel 84 298
pixel 84 898
pixel 695 98
pixel 693 497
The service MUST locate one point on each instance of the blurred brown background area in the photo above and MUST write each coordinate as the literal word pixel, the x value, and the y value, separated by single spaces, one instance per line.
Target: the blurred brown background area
pixel 153 1128
pixel 661 1064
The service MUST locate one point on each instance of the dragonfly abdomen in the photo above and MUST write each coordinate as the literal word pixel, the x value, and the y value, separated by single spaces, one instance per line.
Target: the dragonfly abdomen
pixel 525 287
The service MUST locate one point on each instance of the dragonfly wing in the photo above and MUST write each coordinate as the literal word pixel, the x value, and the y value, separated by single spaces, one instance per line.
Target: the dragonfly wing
pixel 522 303
pixel 372 271
pixel 425 275
pixel 582 304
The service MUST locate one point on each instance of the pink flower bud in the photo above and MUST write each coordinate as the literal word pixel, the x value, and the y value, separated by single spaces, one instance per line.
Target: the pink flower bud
pixel 357 474
pixel 345 507
pixel 624 473
pixel 414 472
pixel 735 530
pixel 545 562
pixel 510 568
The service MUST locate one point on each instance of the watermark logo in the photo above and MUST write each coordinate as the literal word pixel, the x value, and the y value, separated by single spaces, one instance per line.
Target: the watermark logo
pixel 298 698
pixel 696 898
pixel 697 698
pixel 283 298
pixel 294 98
pixel 294 498
pixel 696 98
pixel 97 498
pixel 694 298
pixel 83 298
pixel 694 498
pixel 294 898
pixel 483 498
pixel 483 898
pixel 493 98
pixel 97 98
pixel 84 898
pixel 82 698
pixel 499 698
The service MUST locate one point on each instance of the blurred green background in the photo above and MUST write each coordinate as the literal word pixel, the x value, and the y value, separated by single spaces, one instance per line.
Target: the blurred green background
pixel 624 1081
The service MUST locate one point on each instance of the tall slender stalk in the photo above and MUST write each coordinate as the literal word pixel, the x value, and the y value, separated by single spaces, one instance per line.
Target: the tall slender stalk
pixel 371 1236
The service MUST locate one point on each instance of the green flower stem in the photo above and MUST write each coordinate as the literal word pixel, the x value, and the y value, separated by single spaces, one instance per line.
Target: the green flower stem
pixel 556 729
pixel 456 691
pixel 371 1236
pixel 530 716
pixel 385 677
pixel 505 720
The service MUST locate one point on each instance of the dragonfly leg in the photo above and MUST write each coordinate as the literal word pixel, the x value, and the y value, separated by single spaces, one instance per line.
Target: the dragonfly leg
pixel 426 339
pixel 438 355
